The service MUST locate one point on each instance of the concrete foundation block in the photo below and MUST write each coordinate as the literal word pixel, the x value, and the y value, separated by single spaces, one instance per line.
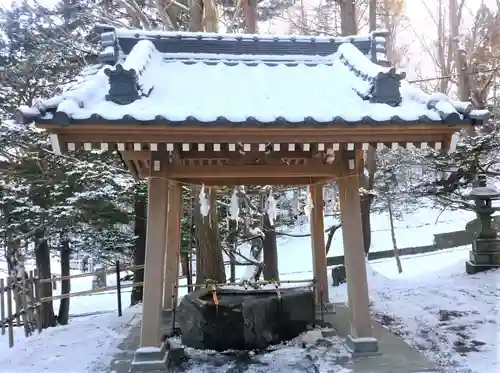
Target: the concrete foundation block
pixel 362 346
pixel 473 268
pixel 150 359
pixel 486 245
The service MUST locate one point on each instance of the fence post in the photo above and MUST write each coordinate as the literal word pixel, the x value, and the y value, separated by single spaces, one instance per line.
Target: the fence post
pixel 38 305
pixel 21 291
pixel 2 306
pixel 31 299
pixel 9 311
pixel 118 289
pixel 17 300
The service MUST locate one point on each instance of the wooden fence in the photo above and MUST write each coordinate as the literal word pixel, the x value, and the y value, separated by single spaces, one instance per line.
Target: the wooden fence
pixel 21 301
pixel 19 305
pixel 28 304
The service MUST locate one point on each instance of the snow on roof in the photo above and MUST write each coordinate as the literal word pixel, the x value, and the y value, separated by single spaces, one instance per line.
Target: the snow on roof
pixel 127 33
pixel 342 87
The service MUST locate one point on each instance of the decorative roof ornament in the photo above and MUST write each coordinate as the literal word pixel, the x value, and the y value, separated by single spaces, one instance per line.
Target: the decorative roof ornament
pixel 385 89
pixel 123 85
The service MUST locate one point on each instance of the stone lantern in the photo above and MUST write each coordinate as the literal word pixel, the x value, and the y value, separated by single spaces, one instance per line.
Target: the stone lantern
pixel 485 253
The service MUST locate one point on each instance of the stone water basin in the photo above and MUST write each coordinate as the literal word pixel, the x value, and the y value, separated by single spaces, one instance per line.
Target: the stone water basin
pixel 244 319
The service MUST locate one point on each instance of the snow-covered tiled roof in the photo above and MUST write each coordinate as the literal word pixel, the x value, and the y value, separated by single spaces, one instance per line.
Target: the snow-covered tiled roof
pixel 185 86
pixel 238 44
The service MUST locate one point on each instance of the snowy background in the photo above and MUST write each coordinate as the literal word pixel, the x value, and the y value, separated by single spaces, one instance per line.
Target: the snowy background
pixel 451 317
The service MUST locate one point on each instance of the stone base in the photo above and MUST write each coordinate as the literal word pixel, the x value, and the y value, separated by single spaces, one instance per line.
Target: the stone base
pixel 486 245
pixel 362 346
pixel 150 359
pixel 472 268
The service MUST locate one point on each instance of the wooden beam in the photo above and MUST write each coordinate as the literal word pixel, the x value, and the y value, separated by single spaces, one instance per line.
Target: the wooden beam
pixel 255 134
pixel 292 181
pixel 250 171
pixel 197 155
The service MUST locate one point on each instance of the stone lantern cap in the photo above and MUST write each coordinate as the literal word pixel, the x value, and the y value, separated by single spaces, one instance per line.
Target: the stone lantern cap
pixel 484 192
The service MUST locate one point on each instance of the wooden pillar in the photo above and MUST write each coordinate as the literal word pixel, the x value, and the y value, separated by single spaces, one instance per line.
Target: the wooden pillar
pixel 318 243
pixel 154 262
pixel 354 256
pixel 173 245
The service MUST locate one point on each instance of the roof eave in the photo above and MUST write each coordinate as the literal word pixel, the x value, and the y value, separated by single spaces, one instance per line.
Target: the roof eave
pixel 63 120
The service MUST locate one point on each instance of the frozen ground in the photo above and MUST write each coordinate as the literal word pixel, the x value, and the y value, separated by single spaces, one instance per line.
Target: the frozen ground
pixel 452 318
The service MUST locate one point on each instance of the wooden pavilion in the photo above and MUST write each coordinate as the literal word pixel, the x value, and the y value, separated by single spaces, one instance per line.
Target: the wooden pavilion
pixel 246 109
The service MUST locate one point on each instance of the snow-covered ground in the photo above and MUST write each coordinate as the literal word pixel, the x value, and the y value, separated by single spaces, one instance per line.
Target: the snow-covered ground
pixel 451 317
pixel 87 344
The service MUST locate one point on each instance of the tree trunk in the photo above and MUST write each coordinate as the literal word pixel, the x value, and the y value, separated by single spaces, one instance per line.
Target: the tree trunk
pixel 366 199
pixel 270 247
pixel 186 270
pixel 366 202
pixel 463 83
pixel 42 255
pixel 250 15
pixel 140 246
pixel 184 264
pixel 196 19
pixel 348 22
pixel 393 234
pixel 209 262
pixel 372 16
pixel 329 239
pixel 63 314
pixel 233 232
pixel 210 18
